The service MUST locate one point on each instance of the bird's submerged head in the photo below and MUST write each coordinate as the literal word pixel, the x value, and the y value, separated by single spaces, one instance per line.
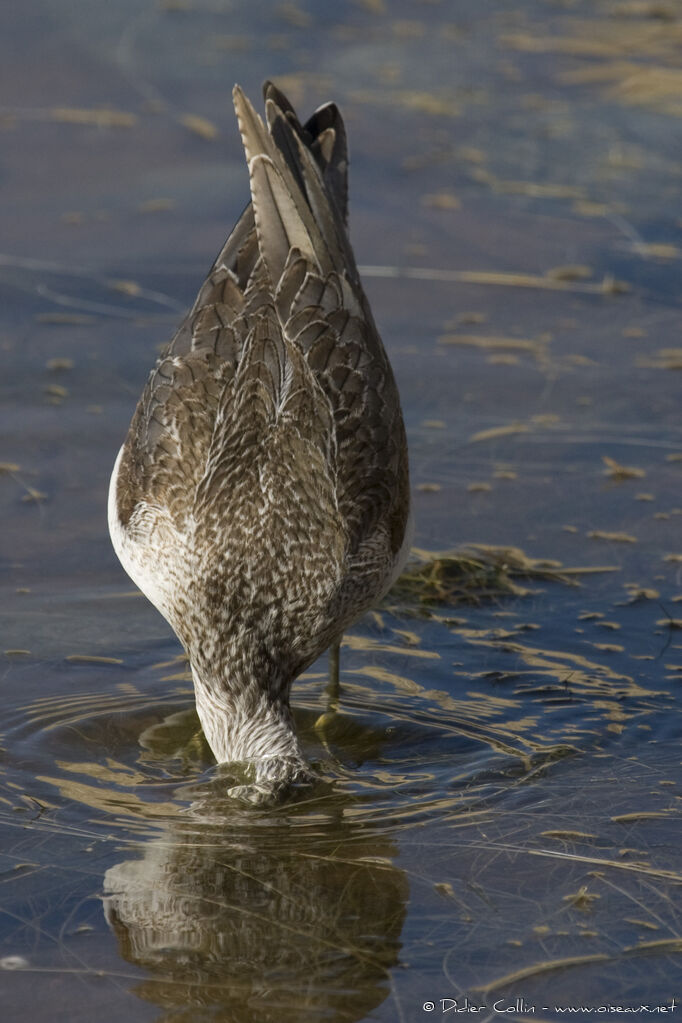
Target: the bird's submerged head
pixel 272 780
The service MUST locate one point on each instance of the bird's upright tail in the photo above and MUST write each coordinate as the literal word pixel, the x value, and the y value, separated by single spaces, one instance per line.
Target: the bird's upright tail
pixel 298 185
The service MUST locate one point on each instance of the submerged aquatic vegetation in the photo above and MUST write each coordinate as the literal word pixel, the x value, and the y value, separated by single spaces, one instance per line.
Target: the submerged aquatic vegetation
pixel 475 573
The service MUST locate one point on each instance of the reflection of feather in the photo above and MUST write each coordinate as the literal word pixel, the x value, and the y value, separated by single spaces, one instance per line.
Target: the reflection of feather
pixel 261 924
pixel 261 497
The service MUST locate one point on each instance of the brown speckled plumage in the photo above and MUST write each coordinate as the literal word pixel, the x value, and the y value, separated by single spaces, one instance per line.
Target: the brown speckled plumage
pixel 261 497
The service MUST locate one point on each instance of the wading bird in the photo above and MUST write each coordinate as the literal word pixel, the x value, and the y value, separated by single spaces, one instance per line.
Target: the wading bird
pixel 261 497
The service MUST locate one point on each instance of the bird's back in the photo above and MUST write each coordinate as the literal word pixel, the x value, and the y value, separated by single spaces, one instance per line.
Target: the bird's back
pixel 267 457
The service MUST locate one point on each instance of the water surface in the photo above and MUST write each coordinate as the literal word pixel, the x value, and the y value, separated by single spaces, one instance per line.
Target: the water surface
pixel 498 818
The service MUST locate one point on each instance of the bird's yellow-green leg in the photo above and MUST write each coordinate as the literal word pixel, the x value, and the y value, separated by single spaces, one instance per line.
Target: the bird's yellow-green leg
pixel 324 722
pixel 334 686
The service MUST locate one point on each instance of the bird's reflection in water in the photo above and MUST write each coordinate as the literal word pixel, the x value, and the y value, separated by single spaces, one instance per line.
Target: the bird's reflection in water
pixel 295 915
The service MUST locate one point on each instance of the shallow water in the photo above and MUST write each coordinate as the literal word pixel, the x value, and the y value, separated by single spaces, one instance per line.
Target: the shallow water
pixel 498 818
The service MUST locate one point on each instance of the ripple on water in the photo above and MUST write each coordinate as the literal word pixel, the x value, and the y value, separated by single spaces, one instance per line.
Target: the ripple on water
pixel 417 734
pixel 449 737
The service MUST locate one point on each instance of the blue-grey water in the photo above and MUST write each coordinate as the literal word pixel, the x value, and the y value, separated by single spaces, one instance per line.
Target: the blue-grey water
pixel 498 823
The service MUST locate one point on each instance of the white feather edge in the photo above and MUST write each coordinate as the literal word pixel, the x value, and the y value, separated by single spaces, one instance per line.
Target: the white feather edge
pixel 272 200
pixel 151 583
